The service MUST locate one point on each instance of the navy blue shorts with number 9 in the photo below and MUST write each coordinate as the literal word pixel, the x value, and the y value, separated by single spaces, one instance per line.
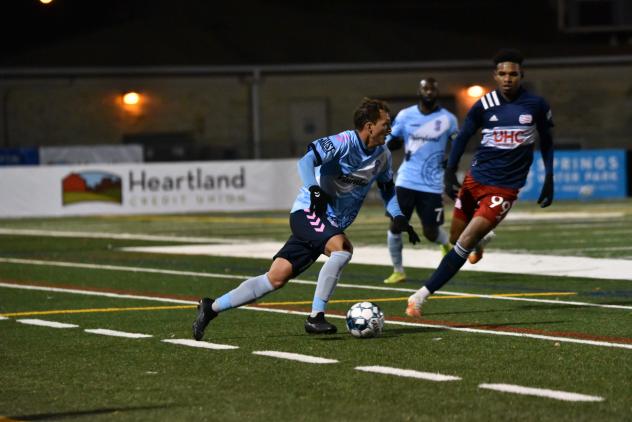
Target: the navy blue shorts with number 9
pixel 310 234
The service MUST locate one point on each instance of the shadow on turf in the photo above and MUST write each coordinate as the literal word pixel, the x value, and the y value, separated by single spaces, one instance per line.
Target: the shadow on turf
pixel 80 413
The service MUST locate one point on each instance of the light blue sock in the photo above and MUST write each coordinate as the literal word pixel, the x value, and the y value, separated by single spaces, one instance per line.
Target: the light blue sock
pixel 395 245
pixel 442 237
pixel 247 292
pixel 328 278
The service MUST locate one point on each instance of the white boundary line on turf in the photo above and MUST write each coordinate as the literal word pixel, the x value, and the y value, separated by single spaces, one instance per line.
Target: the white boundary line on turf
pixel 93 293
pixel 469 330
pixel 540 392
pixel 200 344
pixel 296 281
pixel 3 318
pixel 114 333
pixel 117 236
pixel 497 262
pixel 45 323
pixel 410 373
pixel 294 356
pixel 283 311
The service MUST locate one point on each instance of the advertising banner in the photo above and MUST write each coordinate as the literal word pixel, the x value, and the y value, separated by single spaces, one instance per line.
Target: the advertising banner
pixel 91 154
pixel 29 191
pixel 19 156
pixel 581 175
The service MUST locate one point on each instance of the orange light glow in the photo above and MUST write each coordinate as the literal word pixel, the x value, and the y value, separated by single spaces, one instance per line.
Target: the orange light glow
pixel 131 98
pixel 46 1
pixel 475 91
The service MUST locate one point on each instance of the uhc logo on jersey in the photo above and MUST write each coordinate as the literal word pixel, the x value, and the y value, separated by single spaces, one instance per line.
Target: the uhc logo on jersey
pixel 525 119
pixel 509 136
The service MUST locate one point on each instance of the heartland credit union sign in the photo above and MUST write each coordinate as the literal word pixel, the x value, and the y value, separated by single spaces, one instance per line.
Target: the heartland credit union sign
pixel 148 188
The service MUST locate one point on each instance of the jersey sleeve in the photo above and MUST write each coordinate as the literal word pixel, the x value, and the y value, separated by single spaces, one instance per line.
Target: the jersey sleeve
pixel 386 175
pixel 387 188
pixel 470 126
pixel 544 124
pixel 397 129
pixel 546 115
pixel 330 148
pixel 454 126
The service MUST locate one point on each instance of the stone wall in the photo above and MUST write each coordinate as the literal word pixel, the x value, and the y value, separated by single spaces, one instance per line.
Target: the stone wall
pixel 592 106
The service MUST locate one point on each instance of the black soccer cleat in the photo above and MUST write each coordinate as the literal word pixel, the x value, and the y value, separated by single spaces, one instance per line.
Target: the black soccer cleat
pixel 319 325
pixel 204 316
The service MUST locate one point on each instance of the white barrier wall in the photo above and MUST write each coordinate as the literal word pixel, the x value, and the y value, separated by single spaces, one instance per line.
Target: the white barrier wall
pixel 34 191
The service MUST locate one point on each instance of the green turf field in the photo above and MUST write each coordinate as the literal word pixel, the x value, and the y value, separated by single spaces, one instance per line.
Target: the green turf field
pixel 540 341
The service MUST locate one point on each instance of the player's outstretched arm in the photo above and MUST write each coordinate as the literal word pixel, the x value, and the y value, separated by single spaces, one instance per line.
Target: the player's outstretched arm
pixel 546 195
pixel 400 222
pixel 546 148
pixel 451 184
pixel 306 166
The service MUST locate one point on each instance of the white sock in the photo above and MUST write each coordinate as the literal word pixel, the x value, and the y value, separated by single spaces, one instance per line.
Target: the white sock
pixel 442 237
pixel 422 294
pixel 485 240
pixel 247 292
pixel 327 280
pixel 395 246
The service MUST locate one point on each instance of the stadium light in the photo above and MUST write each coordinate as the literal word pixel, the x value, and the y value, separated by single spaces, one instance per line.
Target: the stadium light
pixel 131 98
pixel 475 91
pixel 46 1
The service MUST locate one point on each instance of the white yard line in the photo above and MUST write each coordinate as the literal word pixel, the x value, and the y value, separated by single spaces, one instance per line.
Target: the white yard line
pixel 117 268
pixel 283 311
pixel 563 215
pixel 200 344
pixel 245 277
pixel 294 356
pixel 540 392
pixel 494 261
pixel 3 318
pixel 115 333
pixel 409 373
pixel 44 323
pixel 116 236
pixel 93 293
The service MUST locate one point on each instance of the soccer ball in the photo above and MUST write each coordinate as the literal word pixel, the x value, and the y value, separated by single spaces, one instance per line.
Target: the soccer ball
pixel 365 319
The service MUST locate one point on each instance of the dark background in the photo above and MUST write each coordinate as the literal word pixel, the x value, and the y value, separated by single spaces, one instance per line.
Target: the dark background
pixel 191 32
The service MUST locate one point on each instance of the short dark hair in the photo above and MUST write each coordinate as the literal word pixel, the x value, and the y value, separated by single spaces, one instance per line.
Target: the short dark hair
pixel 368 111
pixel 508 55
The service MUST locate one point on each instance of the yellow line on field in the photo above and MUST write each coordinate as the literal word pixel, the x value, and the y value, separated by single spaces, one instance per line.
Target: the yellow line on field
pixel 213 219
pixel 303 302
pixel 398 299
pixel 96 310
pixel 5 419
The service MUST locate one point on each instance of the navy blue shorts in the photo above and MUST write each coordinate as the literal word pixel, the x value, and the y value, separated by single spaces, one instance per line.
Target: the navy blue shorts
pixel 310 234
pixel 429 206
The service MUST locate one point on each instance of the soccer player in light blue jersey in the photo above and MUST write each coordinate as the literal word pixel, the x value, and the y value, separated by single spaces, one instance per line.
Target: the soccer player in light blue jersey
pixel 337 173
pixel 512 120
pixel 425 130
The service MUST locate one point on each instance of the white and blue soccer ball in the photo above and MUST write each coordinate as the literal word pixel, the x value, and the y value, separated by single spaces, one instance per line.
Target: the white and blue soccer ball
pixel 365 320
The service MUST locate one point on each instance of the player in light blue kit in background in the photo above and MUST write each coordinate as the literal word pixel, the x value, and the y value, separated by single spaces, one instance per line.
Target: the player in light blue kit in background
pixel 424 129
pixel 337 173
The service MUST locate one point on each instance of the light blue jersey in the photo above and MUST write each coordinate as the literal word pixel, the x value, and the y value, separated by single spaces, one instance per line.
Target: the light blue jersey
pixel 346 171
pixel 425 139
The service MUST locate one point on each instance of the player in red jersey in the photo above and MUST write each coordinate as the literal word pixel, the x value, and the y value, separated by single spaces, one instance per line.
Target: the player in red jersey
pixel 512 121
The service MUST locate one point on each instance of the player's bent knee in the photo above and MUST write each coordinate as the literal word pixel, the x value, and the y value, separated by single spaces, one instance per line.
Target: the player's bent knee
pixel 280 273
pixel 338 243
